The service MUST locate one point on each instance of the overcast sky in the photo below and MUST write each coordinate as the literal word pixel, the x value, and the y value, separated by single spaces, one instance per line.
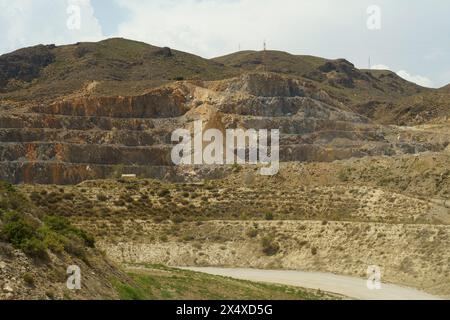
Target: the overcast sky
pixel 410 37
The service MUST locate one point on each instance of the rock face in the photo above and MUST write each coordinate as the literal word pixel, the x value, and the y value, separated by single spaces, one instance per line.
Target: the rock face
pixel 87 137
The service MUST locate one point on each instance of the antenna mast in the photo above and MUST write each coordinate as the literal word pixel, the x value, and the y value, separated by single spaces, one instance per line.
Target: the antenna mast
pixel 265 55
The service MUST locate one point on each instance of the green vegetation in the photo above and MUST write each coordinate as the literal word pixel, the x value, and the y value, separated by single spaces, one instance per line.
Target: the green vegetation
pixel 10 199
pixel 22 226
pixel 269 246
pixel 29 279
pixel 34 237
pixel 156 282
pixel 269 216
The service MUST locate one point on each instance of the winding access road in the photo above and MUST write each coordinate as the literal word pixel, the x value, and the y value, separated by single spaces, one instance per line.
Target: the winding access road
pixel 351 287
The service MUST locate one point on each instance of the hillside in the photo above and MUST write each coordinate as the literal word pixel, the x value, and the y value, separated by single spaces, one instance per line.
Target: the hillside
pixel 127 67
pixel 335 217
pixel 36 248
pixel 339 77
pixel 124 67
pixel 97 110
pixel 445 89
pixel 121 66
pixel 427 107
pixel 157 282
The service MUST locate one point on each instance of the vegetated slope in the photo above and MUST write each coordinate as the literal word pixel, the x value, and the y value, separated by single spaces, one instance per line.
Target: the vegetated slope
pixel 422 108
pixel 157 282
pixel 122 67
pixel 36 249
pixel 335 217
pixel 338 77
pixel 38 245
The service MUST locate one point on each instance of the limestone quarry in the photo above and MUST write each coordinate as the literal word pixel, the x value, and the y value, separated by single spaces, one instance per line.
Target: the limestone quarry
pixel 364 177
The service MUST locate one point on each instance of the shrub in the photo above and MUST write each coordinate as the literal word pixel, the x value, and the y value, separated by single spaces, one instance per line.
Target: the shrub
pixel 53 198
pixel 163 193
pixel 35 197
pixel 10 199
pixel 68 196
pixel 50 294
pixel 252 233
pixel 53 240
pixel 128 198
pixel 29 279
pixel 269 246
pixel 35 248
pixel 22 234
pixel 63 227
pixel 194 195
pixel 177 219
pixel 102 197
pixel 269 216
pixel 119 203
pixel 35 237
pixel 343 175
pixel 17 231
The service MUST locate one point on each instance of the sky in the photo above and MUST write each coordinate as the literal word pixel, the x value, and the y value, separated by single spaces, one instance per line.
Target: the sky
pixel 409 37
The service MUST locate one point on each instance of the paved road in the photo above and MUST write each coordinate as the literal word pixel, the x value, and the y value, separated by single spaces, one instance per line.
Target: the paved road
pixel 348 286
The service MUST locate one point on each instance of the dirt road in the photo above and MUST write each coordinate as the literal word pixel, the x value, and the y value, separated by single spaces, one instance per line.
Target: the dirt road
pixel 348 286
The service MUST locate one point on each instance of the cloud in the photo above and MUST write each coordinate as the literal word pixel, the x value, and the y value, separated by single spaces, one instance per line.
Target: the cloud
pixel 216 27
pixel 420 80
pixel 323 28
pixel 30 22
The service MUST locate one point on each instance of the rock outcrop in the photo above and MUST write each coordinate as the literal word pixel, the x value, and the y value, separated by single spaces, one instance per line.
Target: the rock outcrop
pixel 80 138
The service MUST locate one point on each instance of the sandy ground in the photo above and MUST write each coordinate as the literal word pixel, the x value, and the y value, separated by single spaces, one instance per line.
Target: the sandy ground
pixel 348 286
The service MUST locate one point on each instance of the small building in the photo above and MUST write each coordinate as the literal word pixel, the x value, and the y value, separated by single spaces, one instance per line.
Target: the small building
pixel 129 176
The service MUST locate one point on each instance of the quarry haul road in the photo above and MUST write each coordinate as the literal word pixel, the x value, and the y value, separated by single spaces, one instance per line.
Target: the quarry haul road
pixel 351 287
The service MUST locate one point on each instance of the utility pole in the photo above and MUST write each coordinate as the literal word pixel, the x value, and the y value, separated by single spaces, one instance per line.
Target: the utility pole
pixel 265 55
